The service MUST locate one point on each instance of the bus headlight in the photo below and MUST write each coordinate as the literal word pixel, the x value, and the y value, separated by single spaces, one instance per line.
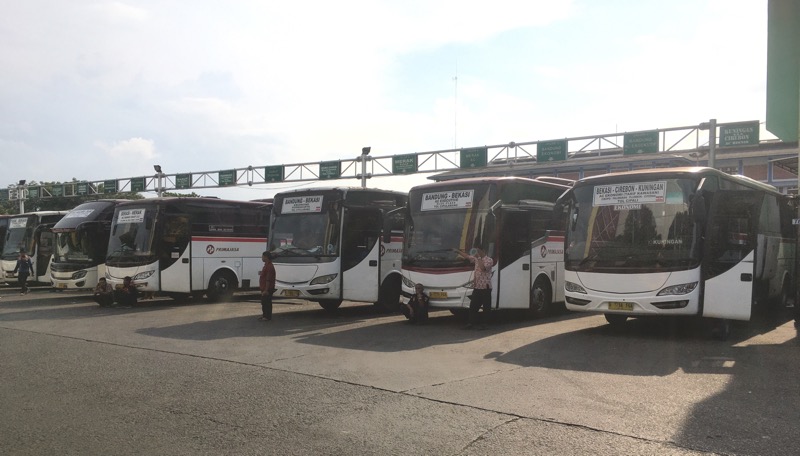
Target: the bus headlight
pixel 143 275
pixel 407 282
pixel 574 287
pixel 79 275
pixel 323 279
pixel 682 289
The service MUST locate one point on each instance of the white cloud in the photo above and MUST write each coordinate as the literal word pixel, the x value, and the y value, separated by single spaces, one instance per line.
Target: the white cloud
pixel 133 149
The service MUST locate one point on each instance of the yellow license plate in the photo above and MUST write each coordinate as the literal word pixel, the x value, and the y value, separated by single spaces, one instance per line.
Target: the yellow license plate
pixel 626 306
pixel 62 285
pixel 291 293
pixel 438 294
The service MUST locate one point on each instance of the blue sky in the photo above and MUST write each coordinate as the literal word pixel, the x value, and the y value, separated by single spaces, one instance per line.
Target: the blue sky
pixel 105 89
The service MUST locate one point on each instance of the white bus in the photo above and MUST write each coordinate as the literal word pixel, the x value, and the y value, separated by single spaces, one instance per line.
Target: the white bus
pixel 510 218
pixel 677 241
pixel 31 232
pixel 81 240
pixel 188 246
pixel 327 247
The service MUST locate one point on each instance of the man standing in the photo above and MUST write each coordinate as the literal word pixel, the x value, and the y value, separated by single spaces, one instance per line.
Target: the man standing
pixel 266 283
pixel 482 291
pixel 23 269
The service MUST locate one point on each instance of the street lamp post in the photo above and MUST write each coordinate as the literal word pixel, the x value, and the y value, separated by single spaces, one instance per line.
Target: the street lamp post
pixel 364 158
pixel 159 176
pixel 22 191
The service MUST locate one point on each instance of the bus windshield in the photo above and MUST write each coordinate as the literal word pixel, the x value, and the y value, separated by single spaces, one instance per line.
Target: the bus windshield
pixel 132 237
pixel 76 246
pixel 304 235
pixel 632 227
pixel 445 220
pixel 19 236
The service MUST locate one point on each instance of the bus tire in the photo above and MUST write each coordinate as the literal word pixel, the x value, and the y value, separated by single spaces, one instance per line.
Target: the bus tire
pixel 616 320
pixel 541 299
pixel 221 286
pixel 330 304
pixel 787 294
pixel 389 295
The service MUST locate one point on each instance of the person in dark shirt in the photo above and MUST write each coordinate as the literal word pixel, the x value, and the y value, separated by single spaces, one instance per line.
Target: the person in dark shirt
pixel 416 309
pixel 126 294
pixel 266 283
pixel 23 269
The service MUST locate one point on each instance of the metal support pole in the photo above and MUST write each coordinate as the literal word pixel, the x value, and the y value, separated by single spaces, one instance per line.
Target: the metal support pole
pixel 22 190
pixel 364 155
pixel 712 143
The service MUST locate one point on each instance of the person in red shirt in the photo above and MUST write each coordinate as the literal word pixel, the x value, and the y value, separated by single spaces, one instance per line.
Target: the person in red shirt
pixel 266 282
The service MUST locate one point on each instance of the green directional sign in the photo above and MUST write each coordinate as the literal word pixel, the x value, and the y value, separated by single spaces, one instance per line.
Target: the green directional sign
pixel 137 184
pixel 273 173
pixel 110 186
pixel 3 194
pixel 57 190
pixel 82 188
pixel 640 142
pixel 34 192
pixel 404 164
pixel 330 170
pixel 474 157
pixel 739 134
pixel 551 151
pixel 783 69
pixel 227 178
pixel 183 181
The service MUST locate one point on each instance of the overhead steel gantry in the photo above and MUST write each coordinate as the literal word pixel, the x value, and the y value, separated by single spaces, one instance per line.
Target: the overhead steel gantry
pixel 365 166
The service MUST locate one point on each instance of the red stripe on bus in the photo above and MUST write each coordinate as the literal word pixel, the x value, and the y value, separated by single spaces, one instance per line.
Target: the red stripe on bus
pixel 227 239
pixel 438 270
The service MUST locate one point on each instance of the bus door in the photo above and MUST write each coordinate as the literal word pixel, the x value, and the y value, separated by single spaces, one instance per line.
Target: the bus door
pixel 175 255
pixel 514 268
pixel 361 254
pixel 44 240
pixel 729 254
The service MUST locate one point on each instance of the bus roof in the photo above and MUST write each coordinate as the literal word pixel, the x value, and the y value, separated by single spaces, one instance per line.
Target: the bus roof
pixel 102 209
pixel 697 171
pixel 344 190
pixel 211 202
pixel 546 182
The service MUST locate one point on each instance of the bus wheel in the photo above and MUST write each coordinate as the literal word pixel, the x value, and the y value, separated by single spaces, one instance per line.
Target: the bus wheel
pixel 787 294
pixel 221 286
pixel 330 304
pixel 540 300
pixel 389 295
pixel 616 320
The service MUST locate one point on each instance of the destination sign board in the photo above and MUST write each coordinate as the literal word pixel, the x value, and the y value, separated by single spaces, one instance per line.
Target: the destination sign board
pixel 130 216
pixel 452 199
pixel 302 204
pixel 630 194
